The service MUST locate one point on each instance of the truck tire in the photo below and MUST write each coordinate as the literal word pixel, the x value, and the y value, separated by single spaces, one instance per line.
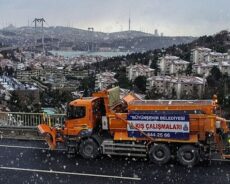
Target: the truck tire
pixel 188 155
pixel 89 149
pixel 159 154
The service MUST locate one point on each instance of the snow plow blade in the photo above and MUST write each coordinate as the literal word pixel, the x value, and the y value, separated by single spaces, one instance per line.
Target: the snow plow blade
pixel 49 134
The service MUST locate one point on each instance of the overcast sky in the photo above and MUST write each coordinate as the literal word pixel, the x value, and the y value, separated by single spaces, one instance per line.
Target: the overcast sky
pixel 172 17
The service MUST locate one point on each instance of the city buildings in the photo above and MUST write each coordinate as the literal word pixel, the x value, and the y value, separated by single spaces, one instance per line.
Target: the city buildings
pixel 62 73
pixel 6 63
pixel 10 84
pixel 204 59
pixel 28 75
pixel 156 32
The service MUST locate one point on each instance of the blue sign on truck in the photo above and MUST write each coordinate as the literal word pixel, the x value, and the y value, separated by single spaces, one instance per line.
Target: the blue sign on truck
pixel 159 125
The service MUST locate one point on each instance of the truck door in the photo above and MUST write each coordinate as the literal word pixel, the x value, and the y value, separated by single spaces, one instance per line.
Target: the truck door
pixel 98 108
pixel 77 118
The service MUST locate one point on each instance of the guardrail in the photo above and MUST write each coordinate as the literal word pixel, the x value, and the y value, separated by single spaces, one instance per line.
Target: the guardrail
pixel 28 120
pixel 228 123
pixel 31 120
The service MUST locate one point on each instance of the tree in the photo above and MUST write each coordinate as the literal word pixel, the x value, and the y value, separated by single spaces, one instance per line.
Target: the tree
pixel 154 64
pixel 123 81
pixel 140 84
pixel 216 73
pixel 1 71
pixel 88 83
pixel 174 94
pixel 23 102
pixel 153 93
pixel 65 96
pixel 188 70
pixel 6 70
pixel 14 102
pixel 10 71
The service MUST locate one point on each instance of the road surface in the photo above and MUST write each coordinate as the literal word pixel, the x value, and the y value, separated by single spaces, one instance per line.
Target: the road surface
pixel 31 162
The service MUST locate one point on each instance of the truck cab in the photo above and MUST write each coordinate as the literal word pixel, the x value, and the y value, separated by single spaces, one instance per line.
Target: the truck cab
pixel 83 115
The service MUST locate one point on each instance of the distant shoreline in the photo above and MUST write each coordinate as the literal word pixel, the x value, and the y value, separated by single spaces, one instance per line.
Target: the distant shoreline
pixel 86 53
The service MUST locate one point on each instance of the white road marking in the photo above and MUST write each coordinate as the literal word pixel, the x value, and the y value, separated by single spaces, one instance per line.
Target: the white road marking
pixel 28 147
pixel 221 160
pixel 70 173
pixel 22 138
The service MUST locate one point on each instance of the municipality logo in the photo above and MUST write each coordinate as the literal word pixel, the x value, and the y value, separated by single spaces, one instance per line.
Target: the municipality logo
pixel 185 127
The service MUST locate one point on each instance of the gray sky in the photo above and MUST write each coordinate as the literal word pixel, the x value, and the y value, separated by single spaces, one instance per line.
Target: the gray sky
pixel 172 17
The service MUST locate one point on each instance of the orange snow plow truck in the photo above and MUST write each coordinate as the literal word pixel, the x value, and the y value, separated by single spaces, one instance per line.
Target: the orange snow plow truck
pixel 188 130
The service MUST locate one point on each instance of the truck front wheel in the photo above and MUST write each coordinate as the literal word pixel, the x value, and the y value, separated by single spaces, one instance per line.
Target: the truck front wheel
pixel 159 154
pixel 188 155
pixel 89 149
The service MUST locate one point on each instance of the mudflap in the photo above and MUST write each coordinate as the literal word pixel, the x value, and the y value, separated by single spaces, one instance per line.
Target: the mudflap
pixel 49 134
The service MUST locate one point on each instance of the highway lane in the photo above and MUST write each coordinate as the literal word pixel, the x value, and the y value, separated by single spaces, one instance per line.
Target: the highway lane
pixel 31 162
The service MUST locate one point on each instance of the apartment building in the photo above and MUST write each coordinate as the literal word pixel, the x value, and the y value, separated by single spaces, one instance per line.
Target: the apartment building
pixel 172 65
pixel 104 80
pixel 133 71
pixel 215 57
pixel 26 75
pixel 198 54
pixel 177 87
pixel 204 69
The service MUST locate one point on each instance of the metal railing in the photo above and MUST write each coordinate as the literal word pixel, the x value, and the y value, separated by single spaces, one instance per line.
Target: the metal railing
pixel 228 123
pixel 32 120
pixel 29 120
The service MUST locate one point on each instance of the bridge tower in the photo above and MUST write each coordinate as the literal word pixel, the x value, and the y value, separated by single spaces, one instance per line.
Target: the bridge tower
pixel 37 22
pixel 91 39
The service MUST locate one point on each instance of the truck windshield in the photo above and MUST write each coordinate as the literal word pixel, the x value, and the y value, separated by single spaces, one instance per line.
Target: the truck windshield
pixel 75 112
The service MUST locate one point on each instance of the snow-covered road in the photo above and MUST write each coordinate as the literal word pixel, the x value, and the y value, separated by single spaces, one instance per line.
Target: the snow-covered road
pixel 31 162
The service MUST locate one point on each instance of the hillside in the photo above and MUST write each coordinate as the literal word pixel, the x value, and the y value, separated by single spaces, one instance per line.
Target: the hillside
pixel 219 42
pixel 217 83
pixel 78 39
